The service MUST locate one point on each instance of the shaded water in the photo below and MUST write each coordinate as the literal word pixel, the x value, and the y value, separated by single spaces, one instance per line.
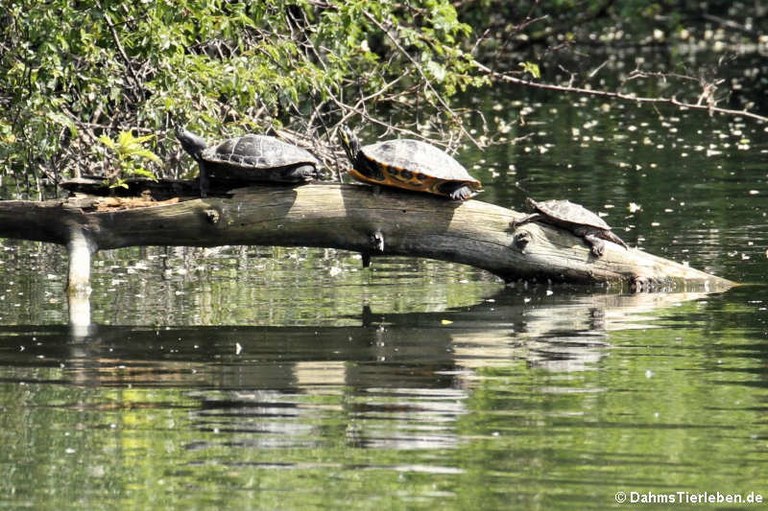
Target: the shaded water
pixel 245 378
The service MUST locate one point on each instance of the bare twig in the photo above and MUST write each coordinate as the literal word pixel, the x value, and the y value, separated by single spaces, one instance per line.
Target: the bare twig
pixel 427 82
pixel 137 83
pixel 730 24
pixel 705 104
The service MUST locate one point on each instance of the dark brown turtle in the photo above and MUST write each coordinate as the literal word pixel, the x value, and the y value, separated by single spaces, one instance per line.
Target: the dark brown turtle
pixel 408 164
pixel 250 158
pixel 575 218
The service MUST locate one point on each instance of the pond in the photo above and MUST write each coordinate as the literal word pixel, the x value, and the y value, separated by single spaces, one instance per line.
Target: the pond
pixel 271 378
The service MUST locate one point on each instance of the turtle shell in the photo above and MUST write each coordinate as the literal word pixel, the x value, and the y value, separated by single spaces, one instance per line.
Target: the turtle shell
pixel 412 165
pixel 256 157
pixel 567 212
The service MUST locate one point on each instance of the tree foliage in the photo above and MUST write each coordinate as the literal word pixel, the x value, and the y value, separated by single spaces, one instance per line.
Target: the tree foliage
pixel 75 74
pixel 77 71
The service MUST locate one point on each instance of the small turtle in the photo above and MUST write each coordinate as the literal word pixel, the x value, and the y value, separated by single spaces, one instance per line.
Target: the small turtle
pixel 250 158
pixel 408 164
pixel 574 217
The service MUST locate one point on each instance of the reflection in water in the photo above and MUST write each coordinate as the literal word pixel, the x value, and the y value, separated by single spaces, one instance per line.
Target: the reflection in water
pixel 398 382
pixel 552 391
pixel 556 391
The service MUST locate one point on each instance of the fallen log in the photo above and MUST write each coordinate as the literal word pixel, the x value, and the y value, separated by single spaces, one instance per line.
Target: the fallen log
pixel 369 220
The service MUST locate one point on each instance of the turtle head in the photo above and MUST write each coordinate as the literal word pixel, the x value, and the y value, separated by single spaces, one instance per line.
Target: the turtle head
pixel 193 144
pixel 349 142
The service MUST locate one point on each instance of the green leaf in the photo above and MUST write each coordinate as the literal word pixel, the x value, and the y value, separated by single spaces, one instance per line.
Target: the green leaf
pixel 145 154
pixel 108 142
pixel 437 70
pixel 532 69
pixel 119 183
pixel 142 172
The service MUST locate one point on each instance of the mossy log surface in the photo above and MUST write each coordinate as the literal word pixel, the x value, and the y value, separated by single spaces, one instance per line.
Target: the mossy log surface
pixel 349 217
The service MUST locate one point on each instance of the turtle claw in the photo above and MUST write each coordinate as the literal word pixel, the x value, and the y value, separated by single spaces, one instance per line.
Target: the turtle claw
pixel 596 245
pixel 521 240
pixel 462 193
pixel 301 174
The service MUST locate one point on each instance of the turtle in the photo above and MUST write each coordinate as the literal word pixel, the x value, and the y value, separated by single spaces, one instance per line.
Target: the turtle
pixel 408 164
pixel 575 218
pixel 249 158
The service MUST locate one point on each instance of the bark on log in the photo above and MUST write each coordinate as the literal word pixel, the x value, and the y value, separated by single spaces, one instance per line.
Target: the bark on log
pixel 369 220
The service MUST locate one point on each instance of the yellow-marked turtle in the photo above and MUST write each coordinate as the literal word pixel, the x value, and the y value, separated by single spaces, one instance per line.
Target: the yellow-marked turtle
pixel 408 164
pixel 247 159
pixel 575 218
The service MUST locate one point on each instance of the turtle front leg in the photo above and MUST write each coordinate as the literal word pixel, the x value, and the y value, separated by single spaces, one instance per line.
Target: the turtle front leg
pixel 462 193
pixel 301 174
pixel 596 245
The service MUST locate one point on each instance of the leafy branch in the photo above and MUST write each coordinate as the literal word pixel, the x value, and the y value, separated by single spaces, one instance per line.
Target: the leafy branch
pixel 127 157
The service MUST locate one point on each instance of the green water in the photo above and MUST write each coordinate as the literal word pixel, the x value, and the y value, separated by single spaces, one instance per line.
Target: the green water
pixel 260 378
pixel 525 399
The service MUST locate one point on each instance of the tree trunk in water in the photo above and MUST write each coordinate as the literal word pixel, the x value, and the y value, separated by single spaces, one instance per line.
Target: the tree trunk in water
pixel 370 220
